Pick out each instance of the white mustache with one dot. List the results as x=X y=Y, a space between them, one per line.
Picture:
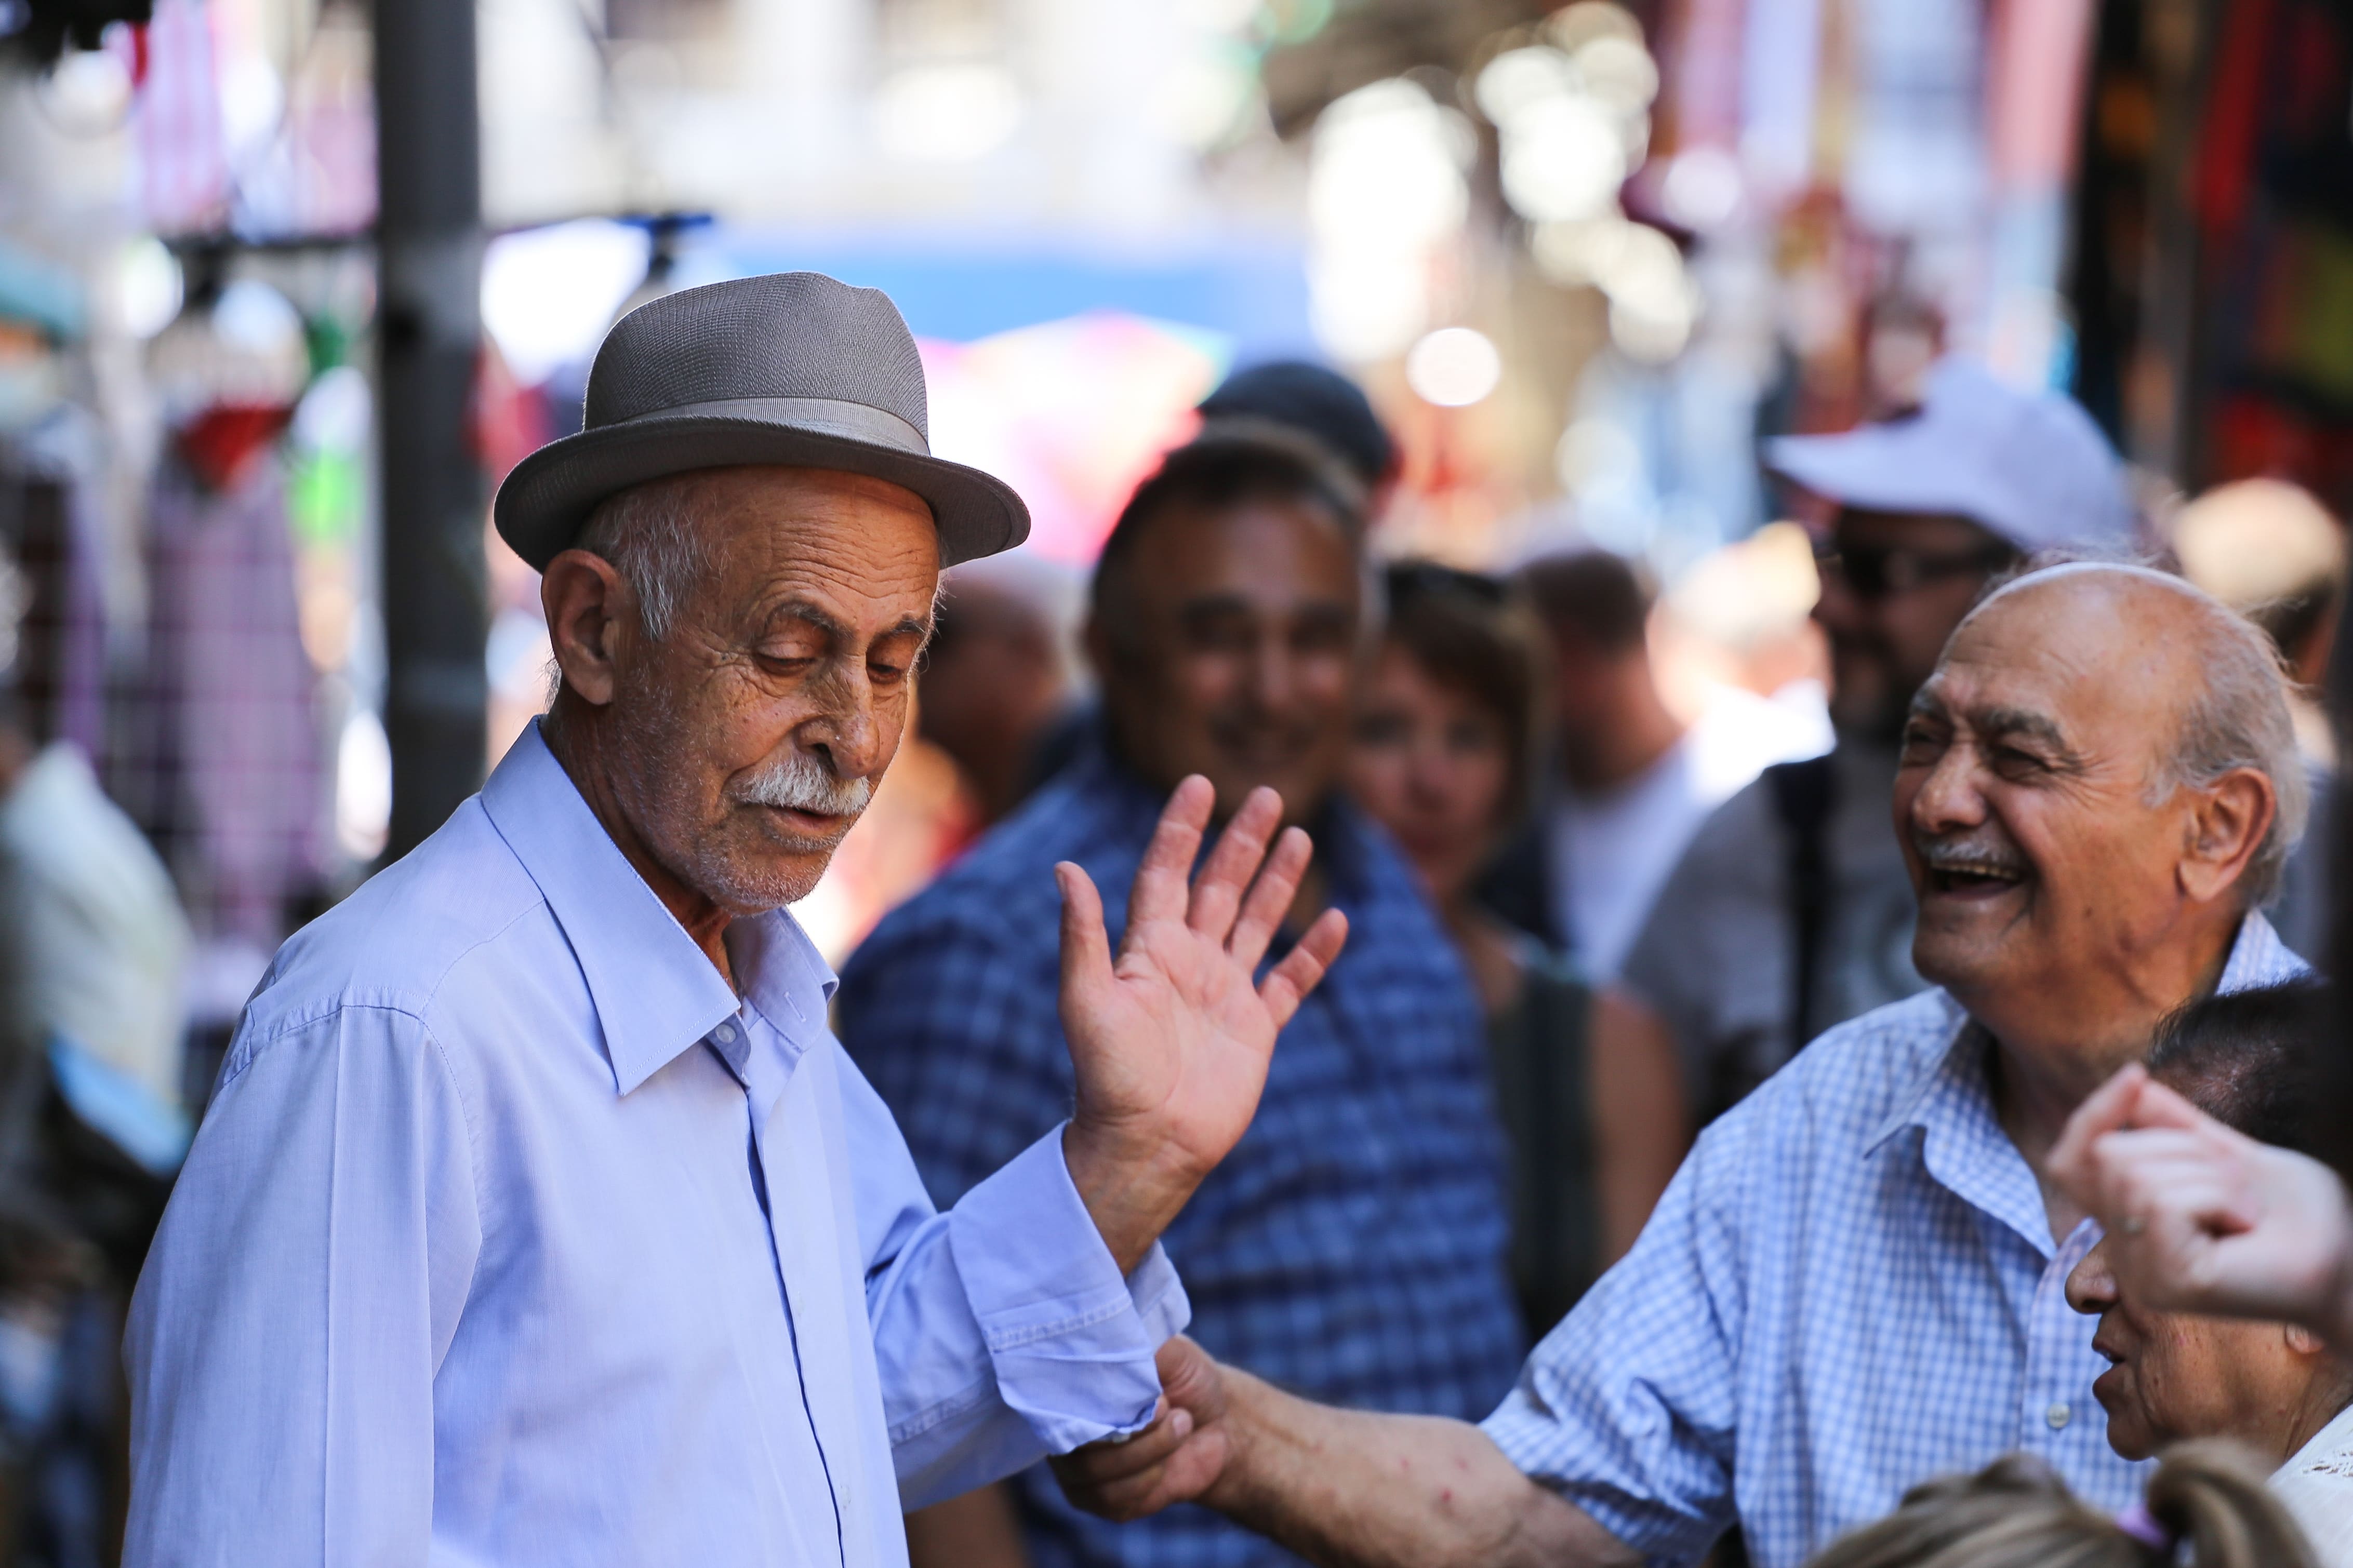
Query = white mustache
x=799 y=782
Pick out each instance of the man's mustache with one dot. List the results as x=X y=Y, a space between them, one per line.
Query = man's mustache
x=800 y=782
x=1971 y=858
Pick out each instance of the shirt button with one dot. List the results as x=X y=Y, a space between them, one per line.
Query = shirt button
x=2059 y=1415
x=726 y=1033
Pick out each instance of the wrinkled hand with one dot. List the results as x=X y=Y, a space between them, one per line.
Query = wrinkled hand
x=2201 y=1219
x=1170 y=1041
x=1174 y=1460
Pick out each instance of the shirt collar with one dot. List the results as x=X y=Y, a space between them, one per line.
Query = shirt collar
x=1951 y=1099
x=655 y=994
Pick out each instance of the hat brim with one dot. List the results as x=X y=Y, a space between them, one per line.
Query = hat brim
x=1877 y=467
x=543 y=503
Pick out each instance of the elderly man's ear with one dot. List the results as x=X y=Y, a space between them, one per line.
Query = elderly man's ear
x=2227 y=824
x=589 y=605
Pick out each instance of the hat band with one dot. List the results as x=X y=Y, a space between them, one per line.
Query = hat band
x=823 y=415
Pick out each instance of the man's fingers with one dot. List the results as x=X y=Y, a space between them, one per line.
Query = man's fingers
x=1160 y=893
x=2109 y=1107
x=2158 y=1106
x=1086 y=947
x=1147 y=1448
x=1303 y=966
x=1120 y=1480
x=1270 y=898
x=1218 y=892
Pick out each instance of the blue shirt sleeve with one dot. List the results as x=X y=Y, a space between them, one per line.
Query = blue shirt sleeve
x=1003 y=1330
x=282 y=1407
x=1628 y=1407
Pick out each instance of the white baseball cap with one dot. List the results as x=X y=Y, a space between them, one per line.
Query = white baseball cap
x=2027 y=465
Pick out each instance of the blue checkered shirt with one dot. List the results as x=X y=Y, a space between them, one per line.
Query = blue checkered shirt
x=1851 y=1287
x=1351 y=1247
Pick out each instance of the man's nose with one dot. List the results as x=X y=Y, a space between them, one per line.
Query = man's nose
x=1273 y=673
x=1950 y=798
x=849 y=733
x=2091 y=1286
x=1837 y=605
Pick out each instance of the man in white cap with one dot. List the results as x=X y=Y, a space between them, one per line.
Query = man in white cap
x=1789 y=911
x=538 y=1217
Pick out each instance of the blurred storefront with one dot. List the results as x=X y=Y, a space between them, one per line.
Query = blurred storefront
x=1583 y=256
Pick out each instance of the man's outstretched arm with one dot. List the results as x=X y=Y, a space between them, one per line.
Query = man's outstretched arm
x=1343 y=1488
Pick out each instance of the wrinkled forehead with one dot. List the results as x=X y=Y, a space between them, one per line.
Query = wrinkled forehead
x=864 y=548
x=2094 y=656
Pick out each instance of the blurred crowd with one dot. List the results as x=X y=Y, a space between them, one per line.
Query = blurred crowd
x=1581 y=920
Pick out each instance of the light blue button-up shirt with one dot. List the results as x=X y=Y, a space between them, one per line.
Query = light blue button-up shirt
x=1851 y=1287
x=513 y=1235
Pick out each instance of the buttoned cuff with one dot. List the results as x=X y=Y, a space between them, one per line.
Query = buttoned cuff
x=1070 y=1342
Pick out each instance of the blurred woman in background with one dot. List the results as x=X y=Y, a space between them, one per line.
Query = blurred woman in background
x=1444 y=753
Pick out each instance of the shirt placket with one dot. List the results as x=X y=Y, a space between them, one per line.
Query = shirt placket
x=2055 y=1398
x=761 y=1076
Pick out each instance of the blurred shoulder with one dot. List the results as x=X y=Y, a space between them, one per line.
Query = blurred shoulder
x=1742 y=833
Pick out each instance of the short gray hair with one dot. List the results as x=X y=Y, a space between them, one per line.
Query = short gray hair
x=650 y=533
x=2238 y=718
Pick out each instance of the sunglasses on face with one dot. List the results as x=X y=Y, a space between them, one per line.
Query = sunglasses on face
x=1879 y=571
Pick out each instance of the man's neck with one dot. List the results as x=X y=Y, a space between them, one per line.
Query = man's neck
x=581 y=745
x=2044 y=1066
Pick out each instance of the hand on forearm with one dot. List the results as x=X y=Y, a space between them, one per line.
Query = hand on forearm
x=1345 y=1489
x=1352 y=1489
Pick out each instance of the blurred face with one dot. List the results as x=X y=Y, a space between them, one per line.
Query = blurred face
x=1896 y=585
x=1239 y=654
x=2173 y=1375
x=2022 y=798
x=989 y=691
x=750 y=735
x=1433 y=766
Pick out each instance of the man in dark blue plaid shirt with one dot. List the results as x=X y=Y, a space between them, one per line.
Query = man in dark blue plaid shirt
x=1351 y=1246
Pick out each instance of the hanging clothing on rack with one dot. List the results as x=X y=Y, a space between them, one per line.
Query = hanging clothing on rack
x=226 y=770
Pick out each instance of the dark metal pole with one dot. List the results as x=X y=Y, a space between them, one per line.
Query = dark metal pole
x=429 y=229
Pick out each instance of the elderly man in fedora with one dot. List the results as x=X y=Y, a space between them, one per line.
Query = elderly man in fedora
x=539 y=1219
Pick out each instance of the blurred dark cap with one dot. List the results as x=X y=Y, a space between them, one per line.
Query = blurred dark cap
x=1308 y=398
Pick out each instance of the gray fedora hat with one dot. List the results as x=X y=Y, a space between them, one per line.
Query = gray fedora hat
x=792 y=368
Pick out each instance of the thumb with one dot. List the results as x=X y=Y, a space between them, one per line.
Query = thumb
x=1086 y=947
x=2104 y=1110
x=1192 y=1380
x=2159 y=1106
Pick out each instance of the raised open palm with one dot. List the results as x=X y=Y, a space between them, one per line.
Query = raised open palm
x=1170 y=1039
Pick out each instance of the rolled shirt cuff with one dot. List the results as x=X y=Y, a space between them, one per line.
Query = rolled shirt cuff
x=1070 y=1342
